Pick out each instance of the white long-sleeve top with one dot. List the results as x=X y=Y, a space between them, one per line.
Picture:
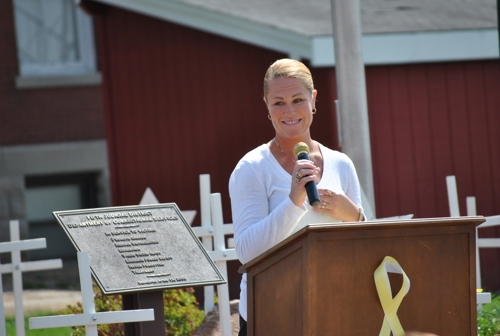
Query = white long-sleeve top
x=264 y=214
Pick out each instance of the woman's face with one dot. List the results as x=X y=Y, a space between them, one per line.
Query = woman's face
x=290 y=105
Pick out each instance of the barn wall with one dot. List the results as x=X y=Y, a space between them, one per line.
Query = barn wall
x=180 y=103
x=428 y=121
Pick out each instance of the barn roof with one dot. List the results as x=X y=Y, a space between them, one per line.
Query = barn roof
x=313 y=17
x=394 y=31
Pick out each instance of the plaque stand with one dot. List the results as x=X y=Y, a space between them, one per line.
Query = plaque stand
x=138 y=252
x=152 y=299
x=145 y=300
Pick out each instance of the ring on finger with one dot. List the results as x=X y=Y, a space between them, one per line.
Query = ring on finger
x=323 y=205
x=298 y=175
x=329 y=192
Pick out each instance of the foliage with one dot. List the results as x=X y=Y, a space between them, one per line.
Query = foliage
x=488 y=322
x=182 y=315
x=488 y=319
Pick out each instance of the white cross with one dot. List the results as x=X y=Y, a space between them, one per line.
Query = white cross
x=206 y=237
x=16 y=268
x=451 y=185
x=212 y=226
x=90 y=319
x=150 y=198
x=221 y=255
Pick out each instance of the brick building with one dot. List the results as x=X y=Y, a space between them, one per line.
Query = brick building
x=52 y=133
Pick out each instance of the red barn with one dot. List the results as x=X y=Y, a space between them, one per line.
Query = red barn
x=182 y=96
x=183 y=81
x=182 y=91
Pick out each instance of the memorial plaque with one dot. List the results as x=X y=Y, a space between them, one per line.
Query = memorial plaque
x=140 y=248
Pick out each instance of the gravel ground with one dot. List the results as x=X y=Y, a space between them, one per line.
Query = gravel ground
x=41 y=300
x=53 y=300
x=211 y=325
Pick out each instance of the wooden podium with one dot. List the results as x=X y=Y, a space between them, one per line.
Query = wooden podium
x=320 y=281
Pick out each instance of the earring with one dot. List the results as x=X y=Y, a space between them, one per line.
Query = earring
x=269 y=116
x=314 y=111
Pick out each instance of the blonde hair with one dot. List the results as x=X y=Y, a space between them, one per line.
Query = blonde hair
x=288 y=68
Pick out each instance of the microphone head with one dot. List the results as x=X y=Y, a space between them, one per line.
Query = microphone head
x=300 y=147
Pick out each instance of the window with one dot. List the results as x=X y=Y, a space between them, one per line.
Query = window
x=54 y=38
x=45 y=194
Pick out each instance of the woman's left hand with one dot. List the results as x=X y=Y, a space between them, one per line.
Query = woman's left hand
x=338 y=206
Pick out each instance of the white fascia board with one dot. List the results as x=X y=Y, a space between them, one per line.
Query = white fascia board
x=288 y=42
x=418 y=47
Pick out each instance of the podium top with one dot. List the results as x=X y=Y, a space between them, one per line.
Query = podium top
x=371 y=225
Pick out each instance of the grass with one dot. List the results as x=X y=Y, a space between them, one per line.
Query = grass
x=10 y=323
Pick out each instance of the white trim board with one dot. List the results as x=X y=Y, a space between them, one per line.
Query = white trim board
x=418 y=47
x=58 y=81
x=54 y=158
x=378 y=49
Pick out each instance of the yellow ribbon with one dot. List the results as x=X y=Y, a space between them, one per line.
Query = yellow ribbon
x=390 y=305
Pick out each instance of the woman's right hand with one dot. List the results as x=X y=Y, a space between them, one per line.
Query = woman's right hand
x=304 y=171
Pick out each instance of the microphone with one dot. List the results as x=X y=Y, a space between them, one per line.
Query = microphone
x=301 y=151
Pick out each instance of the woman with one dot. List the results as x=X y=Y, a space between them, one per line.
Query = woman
x=267 y=187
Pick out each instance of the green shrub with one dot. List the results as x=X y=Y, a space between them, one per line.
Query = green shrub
x=182 y=315
x=488 y=322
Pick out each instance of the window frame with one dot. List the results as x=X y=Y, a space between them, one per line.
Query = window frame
x=86 y=44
